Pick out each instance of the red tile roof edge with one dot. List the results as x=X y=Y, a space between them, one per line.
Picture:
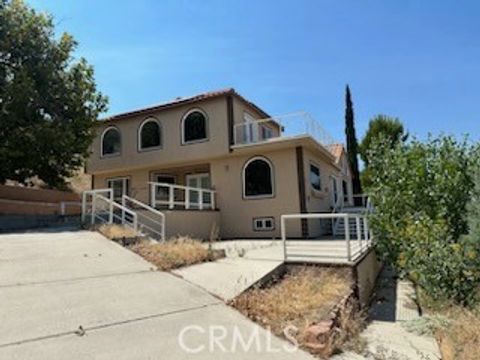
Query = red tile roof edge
x=187 y=100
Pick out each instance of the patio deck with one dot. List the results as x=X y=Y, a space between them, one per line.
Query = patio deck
x=327 y=250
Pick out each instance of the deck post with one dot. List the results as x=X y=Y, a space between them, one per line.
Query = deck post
x=347 y=236
x=84 y=206
x=200 y=199
x=94 y=204
x=365 y=229
x=359 y=231
x=171 y=204
x=187 y=199
x=152 y=195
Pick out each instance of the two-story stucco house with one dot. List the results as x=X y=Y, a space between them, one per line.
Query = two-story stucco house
x=218 y=160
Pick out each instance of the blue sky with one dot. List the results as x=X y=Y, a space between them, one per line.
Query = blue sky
x=418 y=60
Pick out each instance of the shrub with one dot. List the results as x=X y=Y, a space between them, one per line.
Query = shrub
x=420 y=192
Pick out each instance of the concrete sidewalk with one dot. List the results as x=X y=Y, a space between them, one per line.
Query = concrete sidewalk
x=76 y=295
x=245 y=264
x=385 y=334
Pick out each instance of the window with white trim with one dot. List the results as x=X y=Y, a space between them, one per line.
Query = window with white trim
x=150 y=134
x=120 y=186
x=315 y=180
x=257 y=178
x=264 y=224
x=111 y=141
x=194 y=127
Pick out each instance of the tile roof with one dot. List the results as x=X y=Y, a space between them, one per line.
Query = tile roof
x=336 y=150
x=186 y=100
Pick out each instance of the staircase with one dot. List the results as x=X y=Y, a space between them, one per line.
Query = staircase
x=99 y=207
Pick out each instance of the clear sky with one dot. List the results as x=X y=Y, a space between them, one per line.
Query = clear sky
x=418 y=60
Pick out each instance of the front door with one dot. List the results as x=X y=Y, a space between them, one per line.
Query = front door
x=120 y=187
x=199 y=181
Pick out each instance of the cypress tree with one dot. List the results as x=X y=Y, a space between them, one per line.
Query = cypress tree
x=352 y=145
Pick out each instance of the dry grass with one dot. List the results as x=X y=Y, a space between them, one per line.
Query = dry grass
x=175 y=253
x=305 y=296
x=458 y=331
x=461 y=339
x=113 y=231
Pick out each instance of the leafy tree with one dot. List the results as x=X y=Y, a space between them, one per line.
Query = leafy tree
x=48 y=100
x=474 y=205
x=381 y=127
x=352 y=145
x=420 y=192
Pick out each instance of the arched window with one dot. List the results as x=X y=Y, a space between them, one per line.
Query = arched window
x=194 y=126
x=111 y=141
x=258 y=178
x=149 y=134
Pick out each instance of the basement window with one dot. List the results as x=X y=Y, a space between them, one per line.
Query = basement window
x=264 y=224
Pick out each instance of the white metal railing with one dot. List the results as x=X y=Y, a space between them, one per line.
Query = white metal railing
x=105 y=210
x=300 y=123
x=186 y=197
x=355 y=244
x=363 y=199
x=150 y=221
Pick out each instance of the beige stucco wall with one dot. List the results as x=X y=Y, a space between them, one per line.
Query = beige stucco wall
x=138 y=182
x=367 y=272
x=172 y=151
x=319 y=201
x=237 y=213
x=194 y=223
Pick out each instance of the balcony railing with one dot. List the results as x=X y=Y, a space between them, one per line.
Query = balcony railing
x=179 y=196
x=296 y=124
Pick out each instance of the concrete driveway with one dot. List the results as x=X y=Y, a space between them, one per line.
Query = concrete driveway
x=76 y=295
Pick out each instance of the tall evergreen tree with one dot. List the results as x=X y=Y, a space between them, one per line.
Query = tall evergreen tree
x=352 y=144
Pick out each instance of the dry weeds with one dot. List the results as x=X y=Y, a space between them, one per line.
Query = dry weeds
x=175 y=253
x=303 y=297
x=458 y=331
x=113 y=231
x=461 y=339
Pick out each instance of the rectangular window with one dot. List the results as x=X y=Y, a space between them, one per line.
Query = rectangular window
x=264 y=224
x=315 y=180
x=120 y=186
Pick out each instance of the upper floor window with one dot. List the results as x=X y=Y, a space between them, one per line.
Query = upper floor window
x=258 y=178
x=111 y=141
x=194 y=127
x=150 y=134
x=315 y=180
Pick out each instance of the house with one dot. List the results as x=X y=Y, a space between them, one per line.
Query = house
x=217 y=160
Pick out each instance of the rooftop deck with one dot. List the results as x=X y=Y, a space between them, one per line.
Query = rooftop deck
x=285 y=126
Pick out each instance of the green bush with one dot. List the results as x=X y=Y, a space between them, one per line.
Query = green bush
x=420 y=191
